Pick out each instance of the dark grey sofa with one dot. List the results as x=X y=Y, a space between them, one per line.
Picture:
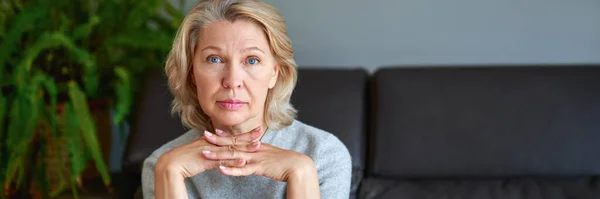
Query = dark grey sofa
x=516 y=132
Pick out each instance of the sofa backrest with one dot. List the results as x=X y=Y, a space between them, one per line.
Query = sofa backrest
x=335 y=100
x=485 y=121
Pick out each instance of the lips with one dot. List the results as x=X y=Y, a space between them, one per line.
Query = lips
x=231 y=104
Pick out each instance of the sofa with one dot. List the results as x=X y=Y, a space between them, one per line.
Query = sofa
x=472 y=132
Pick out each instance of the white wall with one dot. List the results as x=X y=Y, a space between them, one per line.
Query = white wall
x=374 y=33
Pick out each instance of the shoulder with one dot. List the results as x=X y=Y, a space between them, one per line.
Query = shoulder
x=305 y=131
x=187 y=137
x=319 y=143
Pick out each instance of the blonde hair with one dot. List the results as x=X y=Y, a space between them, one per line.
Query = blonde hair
x=278 y=111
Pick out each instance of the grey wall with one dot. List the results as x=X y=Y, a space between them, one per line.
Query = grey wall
x=374 y=33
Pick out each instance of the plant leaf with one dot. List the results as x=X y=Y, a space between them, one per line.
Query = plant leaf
x=148 y=40
x=14 y=125
x=12 y=169
x=40 y=166
x=5 y=12
x=52 y=40
x=141 y=12
x=3 y=161
x=124 y=94
x=17 y=119
x=88 y=129
x=176 y=15
x=35 y=97
x=35 y=104
x=24 y=120
x=21 y=117
x=24 y=21
x=74 y=146
x=85 y=29
x=52 y=90
x=74 y=142
x=65 y=23
x=3 y=103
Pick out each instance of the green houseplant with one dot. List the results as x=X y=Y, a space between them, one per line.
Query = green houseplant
x=56 y=57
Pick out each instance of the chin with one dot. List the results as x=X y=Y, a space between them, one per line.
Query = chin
x=230 y=119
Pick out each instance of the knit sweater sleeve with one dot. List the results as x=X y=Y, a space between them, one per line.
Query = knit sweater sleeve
x=150 y=162
x=148 y=177
x=334 y=166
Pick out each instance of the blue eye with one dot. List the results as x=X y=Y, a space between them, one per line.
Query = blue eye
x=214 y=59
x=252 y=61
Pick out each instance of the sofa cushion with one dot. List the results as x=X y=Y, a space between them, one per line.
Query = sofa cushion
x=514 y=188
x=486 y=121
x=152 y=124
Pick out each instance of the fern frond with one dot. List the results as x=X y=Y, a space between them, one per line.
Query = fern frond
x=52 y=40
x=88 y=129
x=124 y=96
x=23 y=22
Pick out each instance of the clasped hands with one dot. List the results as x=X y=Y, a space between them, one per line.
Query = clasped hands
x=240 y=155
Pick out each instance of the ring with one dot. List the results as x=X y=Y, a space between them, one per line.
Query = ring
x=234 y=140
x=231 y=150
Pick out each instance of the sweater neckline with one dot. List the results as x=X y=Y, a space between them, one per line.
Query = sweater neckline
x=270 y=134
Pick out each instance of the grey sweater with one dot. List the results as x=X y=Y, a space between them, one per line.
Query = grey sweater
x=330 y=155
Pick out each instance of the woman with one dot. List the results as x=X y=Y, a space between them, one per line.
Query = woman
x=231 y=71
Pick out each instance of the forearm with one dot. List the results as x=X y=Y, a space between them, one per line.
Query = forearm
x=169 y=185
x=304 y=184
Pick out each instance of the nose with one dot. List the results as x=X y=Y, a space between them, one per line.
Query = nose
x=233 y=77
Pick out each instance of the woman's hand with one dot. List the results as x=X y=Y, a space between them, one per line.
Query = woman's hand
x=269 y=161
x=188 y=160
x=298 y=170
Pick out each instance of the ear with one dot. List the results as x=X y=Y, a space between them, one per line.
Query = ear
x=273 y=79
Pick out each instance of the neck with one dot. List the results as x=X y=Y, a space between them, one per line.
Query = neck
x=244 y=127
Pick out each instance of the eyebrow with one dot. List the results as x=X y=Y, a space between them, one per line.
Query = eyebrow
x=253 y=48
x=243 y=50
x=211 y=48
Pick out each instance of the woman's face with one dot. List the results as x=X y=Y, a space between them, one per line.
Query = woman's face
x=233 y=69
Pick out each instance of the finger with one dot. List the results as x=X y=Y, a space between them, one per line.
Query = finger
x=230 y=163
x=252 y=135
x=252 y=147
x=224 y=153
x=221 y=133
x=247 y=170
x=242 y=139
x=220 y=140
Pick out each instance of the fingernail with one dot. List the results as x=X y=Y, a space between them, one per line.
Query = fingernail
x=241 y=161
x=222 y=167
x=219 y=131
x=206 y=151
x=208 y=134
